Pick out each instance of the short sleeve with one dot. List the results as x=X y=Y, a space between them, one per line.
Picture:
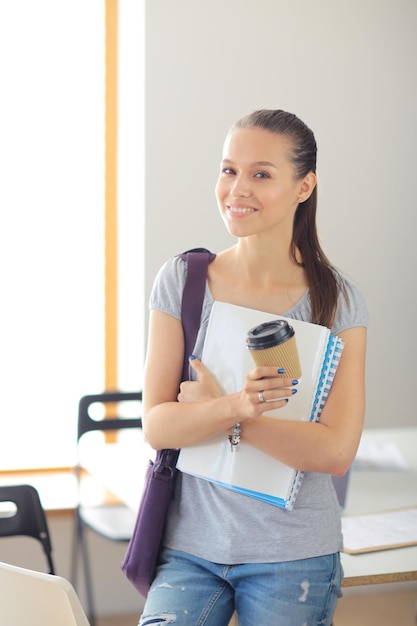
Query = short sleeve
x=166 y=294
x=351 y=310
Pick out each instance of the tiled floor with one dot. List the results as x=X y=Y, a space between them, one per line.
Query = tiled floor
x=382 y=609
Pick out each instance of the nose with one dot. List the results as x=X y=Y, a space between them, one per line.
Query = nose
x=240 y=187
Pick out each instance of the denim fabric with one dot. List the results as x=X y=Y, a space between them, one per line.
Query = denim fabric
x=189 y=591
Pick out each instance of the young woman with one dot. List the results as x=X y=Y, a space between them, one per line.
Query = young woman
x=224 y=551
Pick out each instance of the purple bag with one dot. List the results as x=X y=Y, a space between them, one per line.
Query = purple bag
x=139 y=563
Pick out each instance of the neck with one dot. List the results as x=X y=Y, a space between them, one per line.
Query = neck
x=270 y=264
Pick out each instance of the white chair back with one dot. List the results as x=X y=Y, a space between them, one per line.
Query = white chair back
x=38 y=599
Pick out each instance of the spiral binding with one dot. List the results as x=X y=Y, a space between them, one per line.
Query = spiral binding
x=331 y=360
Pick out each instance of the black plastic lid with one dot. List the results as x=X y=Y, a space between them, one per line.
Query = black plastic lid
x=269 y=334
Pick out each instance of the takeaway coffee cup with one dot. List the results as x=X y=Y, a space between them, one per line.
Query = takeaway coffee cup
x=273 y=343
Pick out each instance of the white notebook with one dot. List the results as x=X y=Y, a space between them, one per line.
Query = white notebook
x=243 y=468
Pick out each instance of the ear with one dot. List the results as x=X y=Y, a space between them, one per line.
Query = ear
x=306 y=188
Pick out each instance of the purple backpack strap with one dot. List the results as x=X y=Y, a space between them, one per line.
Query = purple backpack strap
x=197 y=260
x=144 y=547
x=192 y=303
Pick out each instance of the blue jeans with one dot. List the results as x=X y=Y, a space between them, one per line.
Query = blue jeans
x=189 y=591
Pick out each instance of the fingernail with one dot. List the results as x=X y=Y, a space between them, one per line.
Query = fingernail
x=281 y=370
x=293 y=391
x=294 y=382
x=191 y=357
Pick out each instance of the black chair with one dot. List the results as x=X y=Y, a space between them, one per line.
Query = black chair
x=26 y=517
x=112 y=521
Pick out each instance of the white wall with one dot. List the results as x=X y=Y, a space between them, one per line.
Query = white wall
x=348 y=70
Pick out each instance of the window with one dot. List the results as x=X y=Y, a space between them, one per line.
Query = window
x=52 y=219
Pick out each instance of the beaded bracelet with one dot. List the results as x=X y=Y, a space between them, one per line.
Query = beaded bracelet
x=234 y=438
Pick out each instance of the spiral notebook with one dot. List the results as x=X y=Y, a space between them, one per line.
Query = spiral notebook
x=245 y=469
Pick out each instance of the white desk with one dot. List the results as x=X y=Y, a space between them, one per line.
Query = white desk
x=121 y=467
x=379 y=490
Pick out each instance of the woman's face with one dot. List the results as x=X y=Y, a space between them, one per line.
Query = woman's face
x=257 y=190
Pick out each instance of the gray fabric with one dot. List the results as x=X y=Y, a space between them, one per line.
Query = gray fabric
x=225 y=527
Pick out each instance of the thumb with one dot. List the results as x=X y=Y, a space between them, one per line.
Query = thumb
x=196 y=365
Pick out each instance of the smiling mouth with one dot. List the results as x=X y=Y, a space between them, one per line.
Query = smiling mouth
x=245 y=209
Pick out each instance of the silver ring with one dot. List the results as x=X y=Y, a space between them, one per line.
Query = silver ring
x=261 y=396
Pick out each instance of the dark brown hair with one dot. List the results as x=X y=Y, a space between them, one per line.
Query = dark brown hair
x=323 y=279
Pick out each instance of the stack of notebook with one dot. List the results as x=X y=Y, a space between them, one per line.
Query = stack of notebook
x=245 y=469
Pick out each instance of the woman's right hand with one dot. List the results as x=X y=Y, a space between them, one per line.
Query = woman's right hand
x=263 y=390
x=204 y=388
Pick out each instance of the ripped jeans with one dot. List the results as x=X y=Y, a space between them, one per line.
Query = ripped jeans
x=189 y=591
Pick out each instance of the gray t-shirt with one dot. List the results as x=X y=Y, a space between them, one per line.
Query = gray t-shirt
x=222 y=526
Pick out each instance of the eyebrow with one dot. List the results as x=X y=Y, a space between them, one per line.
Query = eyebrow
x=256 y=164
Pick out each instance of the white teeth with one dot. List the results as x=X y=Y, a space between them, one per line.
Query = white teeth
x=241 y=209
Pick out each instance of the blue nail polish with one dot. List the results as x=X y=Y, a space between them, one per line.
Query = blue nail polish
x=293 y=391
x=294 y=382
x=281 y=370
x=191 y=357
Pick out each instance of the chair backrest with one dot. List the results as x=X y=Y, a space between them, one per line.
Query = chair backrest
x=87 y=424
x=107 y=412
x=27 y=517
x=38 y=599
